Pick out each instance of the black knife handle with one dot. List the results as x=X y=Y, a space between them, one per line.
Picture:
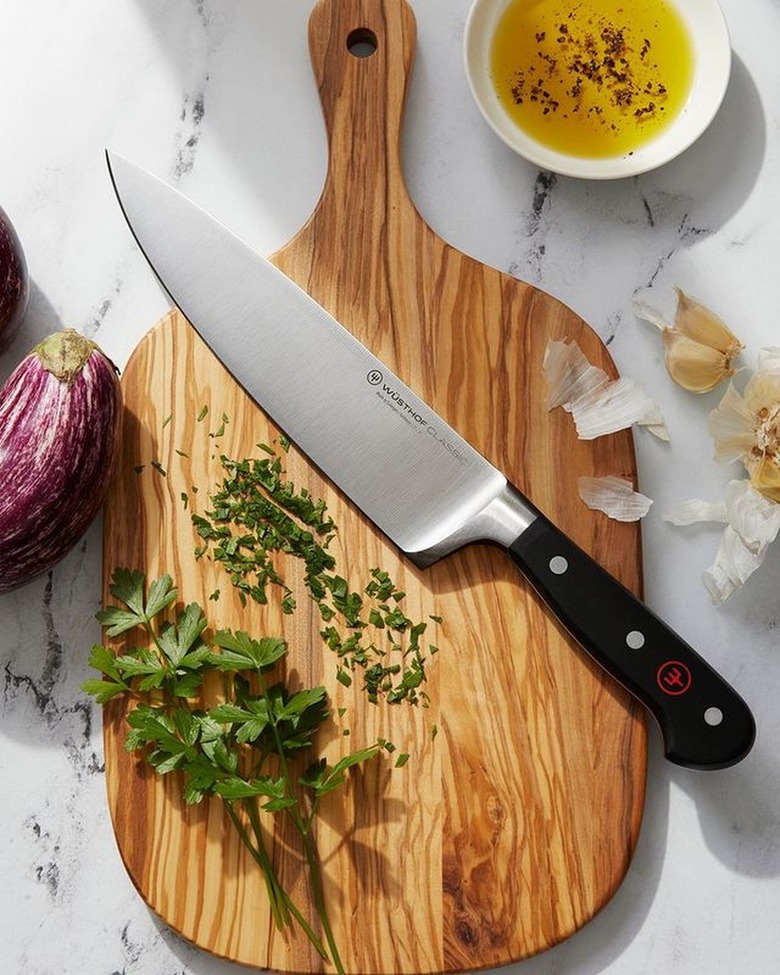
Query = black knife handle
x=704 y=722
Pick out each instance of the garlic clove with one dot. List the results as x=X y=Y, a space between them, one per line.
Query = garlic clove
x=699 y=349
x=765 y=477
x=701 y=325
x=692 y=365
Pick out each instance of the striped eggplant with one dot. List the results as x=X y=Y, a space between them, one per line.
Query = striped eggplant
x=60 y=422
x=14 y=281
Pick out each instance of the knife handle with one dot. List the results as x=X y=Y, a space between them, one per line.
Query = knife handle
x=704 y=723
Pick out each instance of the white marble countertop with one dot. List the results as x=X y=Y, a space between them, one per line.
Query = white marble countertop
x=218 y=96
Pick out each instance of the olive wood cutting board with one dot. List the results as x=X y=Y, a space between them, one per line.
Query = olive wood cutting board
x=516 y=815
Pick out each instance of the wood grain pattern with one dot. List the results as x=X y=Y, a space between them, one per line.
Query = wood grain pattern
x=513 y=826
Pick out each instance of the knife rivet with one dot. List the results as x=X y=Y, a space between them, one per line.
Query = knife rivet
x=558 y=565
x=713 y=717
x=635 y=640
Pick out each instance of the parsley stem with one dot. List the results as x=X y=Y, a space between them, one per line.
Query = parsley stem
x=284 y=768
x=147 y=623
x=304 y=829
x=282 y=905
x=260 y=855
x=268 y=869
x=318 y=892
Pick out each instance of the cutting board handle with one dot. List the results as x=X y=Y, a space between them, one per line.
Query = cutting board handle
x=362 y=53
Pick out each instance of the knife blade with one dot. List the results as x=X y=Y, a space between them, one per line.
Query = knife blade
x=356 y=420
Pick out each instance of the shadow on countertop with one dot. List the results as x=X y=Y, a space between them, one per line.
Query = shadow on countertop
x=697 y=193
x=739 y=808
x=40 y=319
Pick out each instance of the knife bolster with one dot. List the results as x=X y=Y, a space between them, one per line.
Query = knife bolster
x=503 y=519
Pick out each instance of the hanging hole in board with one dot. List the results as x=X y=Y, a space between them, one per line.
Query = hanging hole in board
x=362 y=42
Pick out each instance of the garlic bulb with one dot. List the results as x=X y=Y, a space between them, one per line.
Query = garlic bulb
x=699 y=349
x=746 y=427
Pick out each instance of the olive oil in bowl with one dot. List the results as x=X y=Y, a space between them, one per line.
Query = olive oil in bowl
x=592 y=78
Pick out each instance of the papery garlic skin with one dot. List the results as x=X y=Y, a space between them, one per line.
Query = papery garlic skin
x=752 y=523
x=569 y=374
x=752 y=516
x=614 y=496
x=610 y=408
x=732 y=428
x=746 y=427
x=653 y=422
x=599 y=405
x=734 y=564
x=769 y=359
x=694 y=511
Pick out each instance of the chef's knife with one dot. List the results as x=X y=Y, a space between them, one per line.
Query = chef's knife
x=358 y=421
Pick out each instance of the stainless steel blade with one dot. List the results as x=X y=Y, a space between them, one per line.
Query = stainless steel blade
x=417 y=479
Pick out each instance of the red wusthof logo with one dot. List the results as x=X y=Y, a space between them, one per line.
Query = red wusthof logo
x=674 y=678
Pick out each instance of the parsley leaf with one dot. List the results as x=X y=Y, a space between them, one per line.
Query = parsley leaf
x=241 y=652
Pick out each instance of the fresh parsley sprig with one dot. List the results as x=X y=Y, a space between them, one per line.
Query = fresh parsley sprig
x=173 y=659
x=251 y=750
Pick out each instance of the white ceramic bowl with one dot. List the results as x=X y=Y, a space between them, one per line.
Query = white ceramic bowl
x=712 y=65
